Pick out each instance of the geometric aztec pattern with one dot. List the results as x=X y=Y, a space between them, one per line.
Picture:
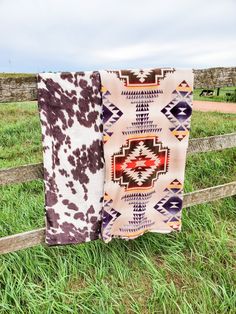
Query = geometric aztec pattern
x=109 y=215
x=179 y=110
x=139 y=163
x=111 y=114
x=143 y=151
x=170 y=206
x=139 y=223
x=142 y=123
x=142 y=77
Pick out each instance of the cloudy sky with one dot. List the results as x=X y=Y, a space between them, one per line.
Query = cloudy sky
x=71 y=35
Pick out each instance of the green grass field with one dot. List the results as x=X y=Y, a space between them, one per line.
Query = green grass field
x=189 y=272
x=221 y=98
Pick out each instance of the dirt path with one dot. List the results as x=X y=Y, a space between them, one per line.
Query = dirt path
x=214 y=106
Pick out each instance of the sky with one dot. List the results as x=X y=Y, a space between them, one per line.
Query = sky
x=74 y=35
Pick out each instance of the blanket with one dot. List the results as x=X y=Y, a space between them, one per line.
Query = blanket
x=146 y=118
x=114 y=152
x=70 y=113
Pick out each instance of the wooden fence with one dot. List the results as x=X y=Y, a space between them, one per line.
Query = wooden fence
x=24 y=89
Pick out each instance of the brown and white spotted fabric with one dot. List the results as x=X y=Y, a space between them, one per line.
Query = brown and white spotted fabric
x=70 y=110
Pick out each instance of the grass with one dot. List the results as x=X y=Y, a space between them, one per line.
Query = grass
x=222 y=95
x=2 y=74
x=189 y=272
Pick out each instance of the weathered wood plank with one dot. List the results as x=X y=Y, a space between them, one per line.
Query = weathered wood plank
x=35 y=171
x=14 y=89
x=22 y=240
x=35 y=237
x=212 y=143
x=209 y=194
x=21 y=174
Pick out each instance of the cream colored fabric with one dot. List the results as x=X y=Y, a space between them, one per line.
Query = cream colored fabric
x=146 y=121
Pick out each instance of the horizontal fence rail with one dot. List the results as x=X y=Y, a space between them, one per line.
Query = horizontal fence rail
x=35 y=237
x=21 y=174
x=211 y=143
x=199 y=145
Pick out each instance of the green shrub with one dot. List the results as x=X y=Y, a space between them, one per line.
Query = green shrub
x=232 y=97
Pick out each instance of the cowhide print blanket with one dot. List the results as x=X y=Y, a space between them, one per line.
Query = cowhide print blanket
x=70 y=111
x=114 y=149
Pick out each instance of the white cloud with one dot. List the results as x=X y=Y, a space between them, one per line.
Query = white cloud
x=43 y=35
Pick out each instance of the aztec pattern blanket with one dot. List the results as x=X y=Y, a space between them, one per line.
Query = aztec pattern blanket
x=146 y=117
x=127 y=127
x=70 y=113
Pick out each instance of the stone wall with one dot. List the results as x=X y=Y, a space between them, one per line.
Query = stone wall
x=24 y=88
x=18 y=88
x=215 y=77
